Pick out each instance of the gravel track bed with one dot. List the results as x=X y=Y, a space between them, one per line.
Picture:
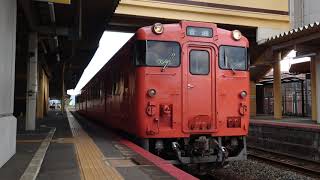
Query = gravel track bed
x=256 y=170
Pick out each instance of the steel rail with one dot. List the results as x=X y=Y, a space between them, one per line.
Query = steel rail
x=287 y=161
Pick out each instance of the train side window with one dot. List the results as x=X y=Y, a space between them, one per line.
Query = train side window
x=199 y=62
x=102 y=91
x=116 y=79
x=140 y=53
x=114 y=83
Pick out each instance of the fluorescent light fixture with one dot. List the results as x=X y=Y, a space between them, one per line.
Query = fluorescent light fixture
x=72 y=92
x=109 y=45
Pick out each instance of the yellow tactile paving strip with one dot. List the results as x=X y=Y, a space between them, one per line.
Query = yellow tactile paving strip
x=90 y=159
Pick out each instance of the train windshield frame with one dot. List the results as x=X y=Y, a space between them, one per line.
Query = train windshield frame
x=233 y=58
x=157 y=53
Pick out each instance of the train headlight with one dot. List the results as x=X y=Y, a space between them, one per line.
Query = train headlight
x=236 y=34
x=157 y=28
x=151 y=92
x=243 y=94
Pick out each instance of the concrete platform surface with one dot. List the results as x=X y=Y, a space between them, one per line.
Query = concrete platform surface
x=81 y=149
x=295 y=122
x=15 y=167
x=295 y=119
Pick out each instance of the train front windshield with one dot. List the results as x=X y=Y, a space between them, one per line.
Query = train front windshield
x=157 y=53
x=233 y=58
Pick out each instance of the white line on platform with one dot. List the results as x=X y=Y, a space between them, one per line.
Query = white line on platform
x=34 y=166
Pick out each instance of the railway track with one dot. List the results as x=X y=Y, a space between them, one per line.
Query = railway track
x=303 y=166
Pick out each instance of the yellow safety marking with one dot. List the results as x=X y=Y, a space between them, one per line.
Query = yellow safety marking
x=90 y=158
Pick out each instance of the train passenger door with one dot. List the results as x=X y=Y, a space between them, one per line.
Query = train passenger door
x=199 y=90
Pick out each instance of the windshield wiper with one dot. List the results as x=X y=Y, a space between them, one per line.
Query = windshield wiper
x=232 y=68
x=167 y=61
x=165 y=66
x=228 y=63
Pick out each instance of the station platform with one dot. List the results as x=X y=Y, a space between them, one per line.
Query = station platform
x=286 y=121
x=293 y=136
x=67 y=146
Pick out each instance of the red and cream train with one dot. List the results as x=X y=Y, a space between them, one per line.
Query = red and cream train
x=181 y=89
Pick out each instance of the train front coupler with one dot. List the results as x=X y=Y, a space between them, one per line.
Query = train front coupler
x=201 y=150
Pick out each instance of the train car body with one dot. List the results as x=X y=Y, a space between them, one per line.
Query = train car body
x=182 y=89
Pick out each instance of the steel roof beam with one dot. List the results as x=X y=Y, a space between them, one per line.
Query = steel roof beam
x=54 y=31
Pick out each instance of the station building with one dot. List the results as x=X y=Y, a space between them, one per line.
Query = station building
x=47 y=44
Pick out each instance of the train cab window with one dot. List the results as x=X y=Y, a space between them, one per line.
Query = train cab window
x=157 y=53
x=233 y=58
x=199 y=62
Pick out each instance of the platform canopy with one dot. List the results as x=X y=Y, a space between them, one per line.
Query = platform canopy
x=68 y=31
x=299 y=68
x=305 y=40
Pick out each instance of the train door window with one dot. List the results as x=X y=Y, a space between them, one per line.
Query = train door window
x=102 y=91
x=90 y=93
x=199 y=62
x=109 y=84
x=116 y=83
x=119 y=88
x=96 y=91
